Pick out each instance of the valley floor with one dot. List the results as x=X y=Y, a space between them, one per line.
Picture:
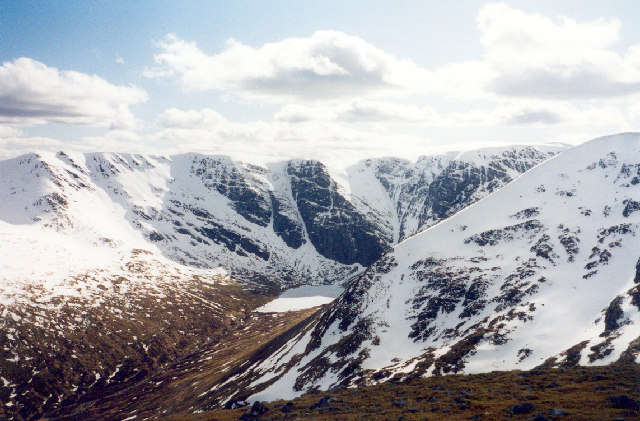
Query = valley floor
x=184 y=385
x=579 y=393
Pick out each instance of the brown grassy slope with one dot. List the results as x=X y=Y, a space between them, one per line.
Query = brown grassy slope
x=182 y=386
x=582 y=392
x=59 y=353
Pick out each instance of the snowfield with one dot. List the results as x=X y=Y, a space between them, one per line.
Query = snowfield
x=113 y=265
x=545 y=271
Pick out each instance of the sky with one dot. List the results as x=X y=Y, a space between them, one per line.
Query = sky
x=332 y=80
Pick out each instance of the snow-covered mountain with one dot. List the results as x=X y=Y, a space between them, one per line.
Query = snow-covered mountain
x=545 y=271
x=414 y=196
x=113 y=265
x=68 y=340
x=281 y=224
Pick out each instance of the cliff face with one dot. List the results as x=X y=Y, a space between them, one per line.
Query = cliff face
x=268 y=226
x=114 y=265
x=541 y=273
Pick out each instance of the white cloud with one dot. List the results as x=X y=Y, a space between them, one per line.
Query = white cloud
x=533 y=116
x=539 y=79
x=9 y=131
x=115 y=141
x=332 y=139
x=205 y=118
x=267 y=142
x=377 y=111
x=533 y=56
x=510 y=113
x=539 y=114
x=327 y=65
x=119 y=60
x=298 y=113
x=507 y=29
x=526 y=55
x=12 y=145
x=33 y=93
x=358 y=111
x=327 y=131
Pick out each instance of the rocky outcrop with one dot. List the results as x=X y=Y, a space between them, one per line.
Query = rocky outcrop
x=335 y=227
x=285 y=226
x=436 y=187
x=246 y=194
x=477 y=291
x=278 y=224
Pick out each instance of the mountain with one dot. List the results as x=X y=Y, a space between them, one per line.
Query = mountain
x=269 y=226
x=543 y=272
x=115 y=266
x=415 y=196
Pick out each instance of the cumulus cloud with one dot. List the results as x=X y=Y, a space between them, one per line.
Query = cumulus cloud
x=190 y=119
x=537 y=113
x=33 y=93
x=526 y=55
x=13 y=144
x=529 y=116
x=539 y=78
x=115 y=141
x=267 y=142
x=533 y=56
x=327 y=65
x=358 y=111
x=525 y=113
x=508 y=29
x=329 y=138
x=9 y=131
x=377 y=111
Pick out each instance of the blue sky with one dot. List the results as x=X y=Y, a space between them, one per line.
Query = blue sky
x=267 y=80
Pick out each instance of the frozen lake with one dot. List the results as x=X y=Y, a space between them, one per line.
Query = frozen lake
x=302 y=297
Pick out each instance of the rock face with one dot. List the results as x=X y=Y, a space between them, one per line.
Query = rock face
x=337 y=229
x=112 y=265
x=436 y=187
x=541 y=273
x=269 y=226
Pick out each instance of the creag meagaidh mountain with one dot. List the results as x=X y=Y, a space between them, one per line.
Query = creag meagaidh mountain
x=544 y=272
x=275 y=225
x=115 y=266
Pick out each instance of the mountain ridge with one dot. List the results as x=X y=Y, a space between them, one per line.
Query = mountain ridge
x=290 y=219
x=551 y=253
x=93 y=241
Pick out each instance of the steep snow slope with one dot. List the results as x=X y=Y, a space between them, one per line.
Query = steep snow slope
x=113 y=264
x=543 y=271
x=55 y=225
x=278 y=225
x=415 y=195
